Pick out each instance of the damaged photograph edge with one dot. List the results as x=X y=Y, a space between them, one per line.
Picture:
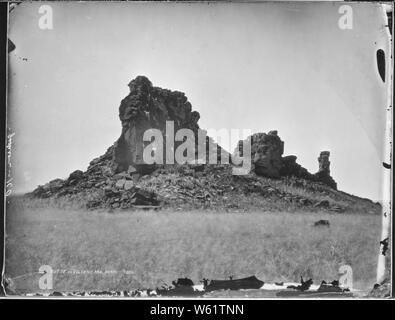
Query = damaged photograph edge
x=383 y=269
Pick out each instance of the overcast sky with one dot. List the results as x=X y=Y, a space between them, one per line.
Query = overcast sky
x=263 y=66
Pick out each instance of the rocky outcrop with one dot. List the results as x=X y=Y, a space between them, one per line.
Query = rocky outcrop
x=148 y=107
x=266 y=153
x=267 y=160
x=121 y=179
x=323 y=174
x=113 y=179
x=291 y=168
x=324 y=163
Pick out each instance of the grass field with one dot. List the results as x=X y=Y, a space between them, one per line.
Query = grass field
x=92 y=250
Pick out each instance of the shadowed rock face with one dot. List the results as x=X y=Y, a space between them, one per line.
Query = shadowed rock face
x=147 y=107
x=291 y=168
x=266 y=153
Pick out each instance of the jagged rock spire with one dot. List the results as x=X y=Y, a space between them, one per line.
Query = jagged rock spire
x=148 y=107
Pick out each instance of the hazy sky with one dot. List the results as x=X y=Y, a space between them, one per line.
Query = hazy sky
x=263 y=66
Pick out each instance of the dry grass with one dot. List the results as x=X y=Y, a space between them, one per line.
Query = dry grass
x=147 y=249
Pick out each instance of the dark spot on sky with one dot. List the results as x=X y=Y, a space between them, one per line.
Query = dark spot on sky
x=386 y=165
x=384 y=243
x=11 y=46
x=380 y=56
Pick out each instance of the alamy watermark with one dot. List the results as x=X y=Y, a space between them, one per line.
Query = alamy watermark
x=184 y=146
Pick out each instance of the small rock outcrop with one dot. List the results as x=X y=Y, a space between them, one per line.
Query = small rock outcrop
x=266 y=153
x=267 y=160
x=323 y=174
x=291 y=168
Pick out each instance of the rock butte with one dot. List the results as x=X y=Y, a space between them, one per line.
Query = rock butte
x=121 y=179
x=147 y=107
